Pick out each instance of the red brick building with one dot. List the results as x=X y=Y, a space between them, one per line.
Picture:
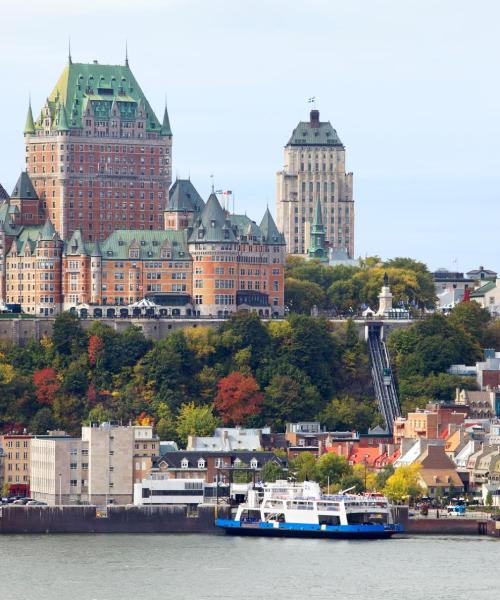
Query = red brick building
x=98 y=156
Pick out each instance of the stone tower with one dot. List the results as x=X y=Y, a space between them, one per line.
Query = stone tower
x=314 y=169
x=384 y=298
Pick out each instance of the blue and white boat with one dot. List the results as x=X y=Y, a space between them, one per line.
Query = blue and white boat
x=301 y=510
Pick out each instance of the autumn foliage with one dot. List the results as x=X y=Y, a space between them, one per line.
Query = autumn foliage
x=238 y=397
x=96 y=346
x=46 y=385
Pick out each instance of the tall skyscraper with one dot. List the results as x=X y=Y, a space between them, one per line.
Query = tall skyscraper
x=97 y=155
x=314 y=171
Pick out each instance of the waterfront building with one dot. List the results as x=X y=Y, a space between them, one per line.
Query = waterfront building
x=416 y=425
x=159 y=489
x=146 y=449
x=488 y=297
x=16 y=462
x=98 y=156
x=59 y=469
x=210 y=465
x=314 y=170
x=110 y=472
x=481 y=404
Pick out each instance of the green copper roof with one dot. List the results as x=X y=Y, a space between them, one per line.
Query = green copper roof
x=317 y=223
x=30 y=124
x=213 y=225
x=24 y=190
x=27 y=235
x=48 y=231
x=269 y=229
x=149 y=243
x=3 y=193
x=100 y=85
x=314 y=133
x=487 y=287
x=165 y=128
x=183 y=197
x=61 y=119
x=75 y=246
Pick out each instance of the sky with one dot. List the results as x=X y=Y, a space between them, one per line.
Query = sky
x=412 y=88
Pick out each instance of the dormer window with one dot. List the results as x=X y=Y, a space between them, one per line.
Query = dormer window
x=253 y=463
x=212 y=222
x=184 y=463
x=133 y=253
x=200 y=234
x=201 y=463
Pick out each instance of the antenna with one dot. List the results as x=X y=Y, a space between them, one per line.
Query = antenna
x=212 y=178
x=69 y=51
x=126 y=53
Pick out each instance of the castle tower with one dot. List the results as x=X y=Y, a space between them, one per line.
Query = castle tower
x=184 y=205
x=24 y=202
x=314 y=169
x=98 y=156
x=96 y=273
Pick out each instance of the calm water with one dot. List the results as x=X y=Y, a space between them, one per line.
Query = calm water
x=123 y=567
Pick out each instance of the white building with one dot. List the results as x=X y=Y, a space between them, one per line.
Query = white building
x=229 y=438
x=158 y=489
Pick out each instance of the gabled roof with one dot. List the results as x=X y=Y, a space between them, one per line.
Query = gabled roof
x=48 y=231
x=481 y=291
x=24 y=190
x=174 y=459
x=183 y=197
x=314 y=133
x=101 y=85
x=213 y=225
x=76 y=246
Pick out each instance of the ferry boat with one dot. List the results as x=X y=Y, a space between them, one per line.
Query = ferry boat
x=301 y=510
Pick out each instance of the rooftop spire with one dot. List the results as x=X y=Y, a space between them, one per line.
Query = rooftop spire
x=126 y=53
x=30 y=124
x=165 y=128
x=70 y=61
x=318 y=216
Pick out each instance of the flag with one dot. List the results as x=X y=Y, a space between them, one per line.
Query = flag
x=313 y=99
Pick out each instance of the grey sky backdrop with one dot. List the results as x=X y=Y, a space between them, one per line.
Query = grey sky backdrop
x=412 y=87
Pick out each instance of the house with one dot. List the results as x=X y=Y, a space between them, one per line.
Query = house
x=482 y=405
x=212 y=465
x=438 y=474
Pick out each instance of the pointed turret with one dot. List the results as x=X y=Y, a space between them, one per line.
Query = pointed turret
x=96 y=250
x=48 y=231
x=165 y=128
x=317 y=223
x=61 y=118
x=3 y=193
x=269 y=230
x=30 y=124
x=24 y=189
x=212 y=224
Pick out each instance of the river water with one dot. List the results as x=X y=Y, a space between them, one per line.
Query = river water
x=199 y=567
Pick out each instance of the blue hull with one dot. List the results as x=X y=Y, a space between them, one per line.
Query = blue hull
x=309 y=531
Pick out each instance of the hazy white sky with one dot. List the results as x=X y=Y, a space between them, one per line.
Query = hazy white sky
x=412 y=87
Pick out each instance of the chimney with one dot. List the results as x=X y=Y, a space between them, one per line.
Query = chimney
x=314 y=118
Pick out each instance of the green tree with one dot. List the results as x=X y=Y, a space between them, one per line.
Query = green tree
x=289 y=399
x=195 y=420
x=347 y=413
x=354 y=483
x=99 y=414
x=304 y=467
x=489 y=499
x=271 y=472
x=42 y=421
x=332 y=468
x=68 y=336
x=301 y=296
x=472 y=318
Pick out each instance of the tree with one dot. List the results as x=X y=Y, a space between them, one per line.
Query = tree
x=489 y=499
x=165 y=427
x=271 y=472
x=95 y=348
x=46 y=385
x=301 y=296
x=42 y=421
x=348 y=413
x=289 y=399
x=68 y=336
x=403 y=485
x=331 y=468
x=239 y=397
x=472 y=318
x=382 y=477
x=354 y=483
x=195 y=420
x=98 y=414
x=304 y=467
